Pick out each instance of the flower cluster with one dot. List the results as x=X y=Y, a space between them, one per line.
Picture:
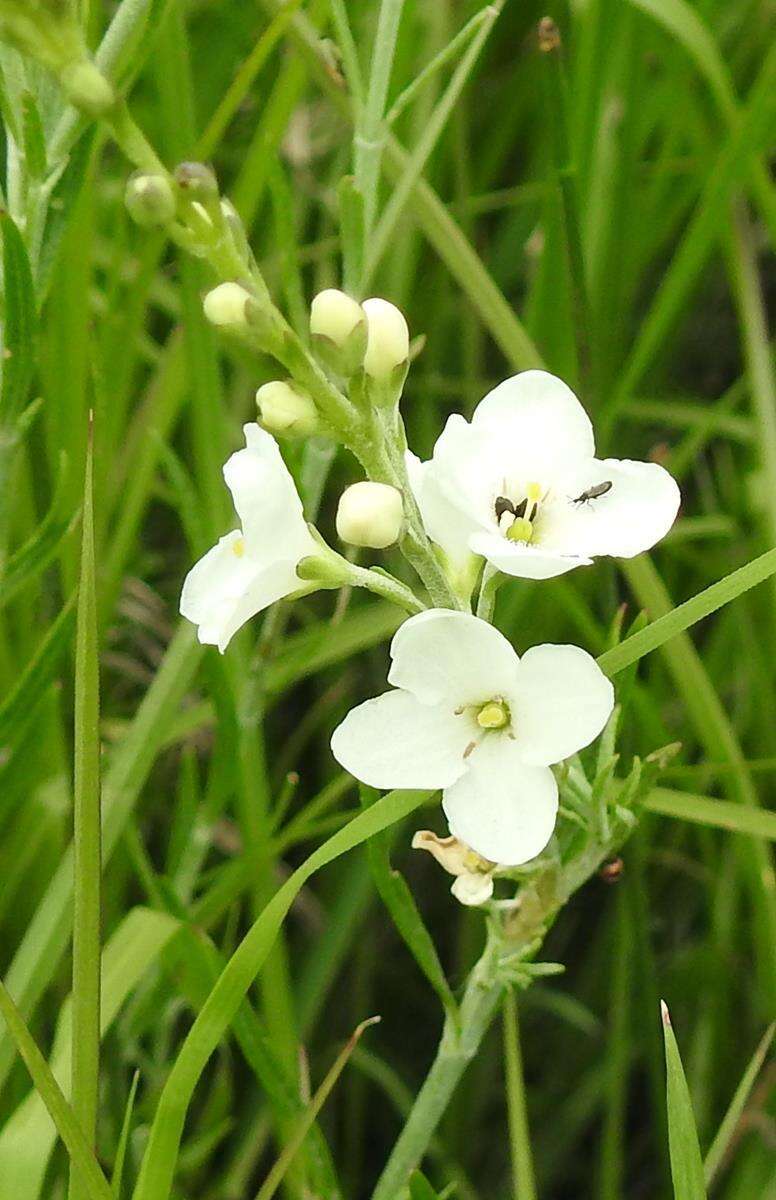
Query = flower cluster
x=516 y=491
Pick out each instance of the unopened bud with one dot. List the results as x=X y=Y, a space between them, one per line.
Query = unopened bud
x=286 y=411
x=370 y=514
x=196 y=181
x=388 y=339
x=149 y=199
x=227 y=305
x=472 y=890
x=338 y=329
x=87 y=88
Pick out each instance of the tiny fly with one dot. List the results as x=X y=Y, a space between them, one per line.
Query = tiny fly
x=593 y=493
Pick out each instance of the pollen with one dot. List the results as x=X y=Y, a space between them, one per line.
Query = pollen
x=238 y=547
x=533 y=492
x=493 y=715
x=521 y=530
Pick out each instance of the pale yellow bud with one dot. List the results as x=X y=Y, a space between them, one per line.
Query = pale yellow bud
x=370 y=514
x=334 y=315
x=286 y=411
x=388 y=338
x=226 y=305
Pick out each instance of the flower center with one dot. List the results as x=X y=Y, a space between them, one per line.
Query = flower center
x=493 y=715
x=516 y=521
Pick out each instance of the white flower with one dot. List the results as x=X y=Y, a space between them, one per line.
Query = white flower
x=255 y=565
x=370 y=514
x=468 y=716
x=521 y=486
x=387 y=338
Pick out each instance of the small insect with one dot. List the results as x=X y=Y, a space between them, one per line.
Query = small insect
x=593 y=493
x=611 y=871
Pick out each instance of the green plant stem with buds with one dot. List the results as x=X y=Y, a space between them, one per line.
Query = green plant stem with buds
x=514 y=937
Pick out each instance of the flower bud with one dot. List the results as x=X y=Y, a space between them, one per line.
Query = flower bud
x=334 y=315
x=388 y=339
x=149 y=199
x=196 y=181
x=338 y=329
x=227 y=305
x=286 y=411
x=87 y=88
x=370 y=514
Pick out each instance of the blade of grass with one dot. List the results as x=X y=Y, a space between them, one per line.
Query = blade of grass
x=275 y=1177
x=87 y=851
x=158 y=1166
x=686 y=1164
x=94 y=1182
x=123 y=1143
x=369 y=139
x=719 y=1147
x=716 y=814
x=523 y=1177
x=675 y=622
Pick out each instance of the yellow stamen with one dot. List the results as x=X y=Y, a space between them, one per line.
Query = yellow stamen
x=521 y=530
x=493 y=715
x=533 y=492
x=238 y=547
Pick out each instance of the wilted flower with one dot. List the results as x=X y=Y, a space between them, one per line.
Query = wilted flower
x=521 y=486
x=255 y=565
x=473 y=883
x=468 y=716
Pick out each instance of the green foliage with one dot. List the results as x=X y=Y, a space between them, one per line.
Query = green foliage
x=686 y=1163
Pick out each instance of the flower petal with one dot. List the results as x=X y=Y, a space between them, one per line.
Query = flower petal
x=636 y=512
x=524 y=560
x=456 y=489
x=562 y=701
x=503 y=808
x=395 y=741
x=227 y=587
x=442 y=655
x=267 y=501
x=540 y=417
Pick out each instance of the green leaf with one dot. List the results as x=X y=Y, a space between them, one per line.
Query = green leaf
x=420 y=1188
x=730 y=1121
x=400 y=902
x=87 y=838
x=26 y=563
x=686 y=1164
x=20 y=705
x=20 y=323
x=85 y=1164
x=158 y=1167
x=126 y=1129
x=658 y=632
x=34 y=139
x=29 y=1135
x=717 y=814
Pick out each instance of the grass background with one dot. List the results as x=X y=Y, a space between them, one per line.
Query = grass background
x=666 y=110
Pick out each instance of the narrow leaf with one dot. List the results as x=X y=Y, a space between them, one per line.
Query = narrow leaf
x=684 y=615
x=275 y=1177
x=686 y=1164
x=730 y=1121
x=121 y=1149
x=87 y=838
x=718 y=814
x=19 y=323
x=94 y=1182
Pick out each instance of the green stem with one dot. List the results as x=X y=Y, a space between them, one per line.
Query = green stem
x=519 y=1133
